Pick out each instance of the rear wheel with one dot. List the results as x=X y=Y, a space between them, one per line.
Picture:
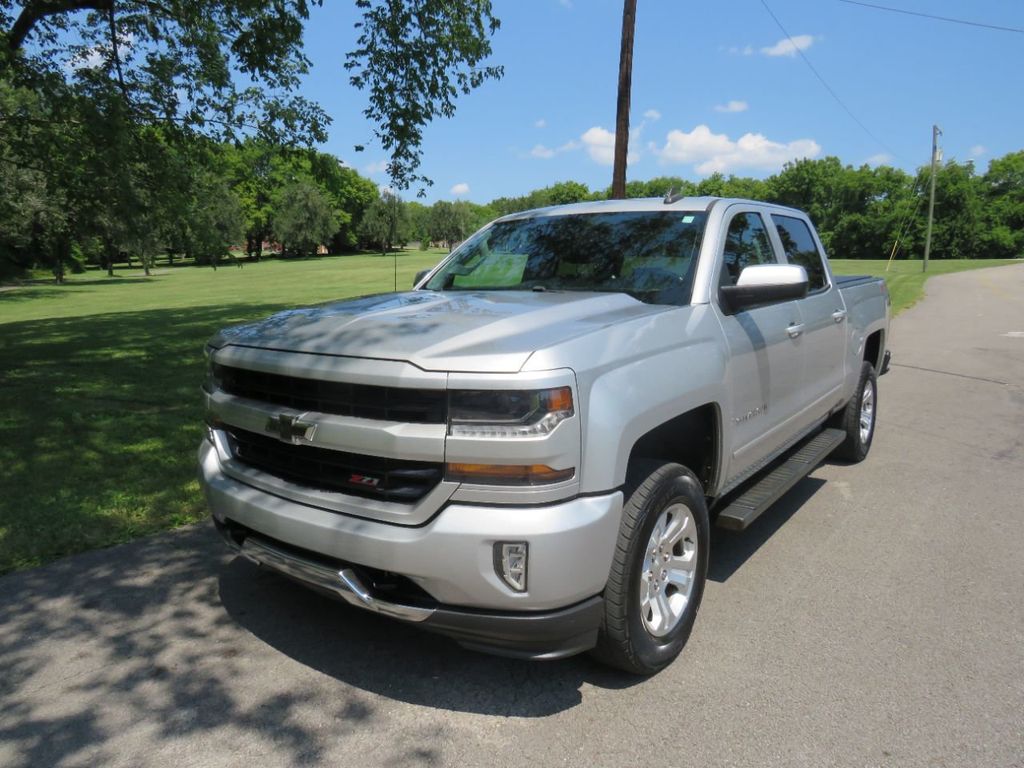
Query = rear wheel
x=659 y=569
x=857 y=419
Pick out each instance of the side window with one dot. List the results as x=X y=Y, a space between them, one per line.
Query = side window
x=746 y=243
x=801 y=249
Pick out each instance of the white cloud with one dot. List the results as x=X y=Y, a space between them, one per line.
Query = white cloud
x=732 y=106
x=709 y=152
x=541 y=123
x=378 y=167
x=652 y=115
x=600 y=145
x=462 y=188
x=746 y=50
x=565 y=3
x=544 y=152
x=789 y=46
x=977 y=151
x=882 y=158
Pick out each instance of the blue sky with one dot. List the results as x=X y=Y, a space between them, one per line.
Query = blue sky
x=716 y=86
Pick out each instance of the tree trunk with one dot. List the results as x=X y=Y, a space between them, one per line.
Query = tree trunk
x=108 y=256
x=622 y=108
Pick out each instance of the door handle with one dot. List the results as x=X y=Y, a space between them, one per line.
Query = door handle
x=795 y=330
x=839 y=315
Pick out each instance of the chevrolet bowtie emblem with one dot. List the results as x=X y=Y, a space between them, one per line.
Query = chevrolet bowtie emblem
x=291 y=429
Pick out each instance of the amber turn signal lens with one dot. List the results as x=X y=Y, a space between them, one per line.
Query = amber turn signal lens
x=507 y=474
x=560 y=400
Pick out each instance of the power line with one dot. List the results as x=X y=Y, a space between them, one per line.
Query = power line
x=822 y=80
x=937 y=18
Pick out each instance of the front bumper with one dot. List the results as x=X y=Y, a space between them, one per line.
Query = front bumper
x=450 y=558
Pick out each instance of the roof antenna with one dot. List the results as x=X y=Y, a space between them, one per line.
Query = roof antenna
x=670 y=197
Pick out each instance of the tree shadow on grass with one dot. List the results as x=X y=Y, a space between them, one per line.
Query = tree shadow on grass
x=100 y=417
x=47 y=289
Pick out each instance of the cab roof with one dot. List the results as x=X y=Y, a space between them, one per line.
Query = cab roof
x=638 y=204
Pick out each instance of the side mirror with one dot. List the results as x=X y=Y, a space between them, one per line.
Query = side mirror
x=419 y=276
x=762 y=284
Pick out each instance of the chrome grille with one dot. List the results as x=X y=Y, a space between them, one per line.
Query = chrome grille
x=416 y=406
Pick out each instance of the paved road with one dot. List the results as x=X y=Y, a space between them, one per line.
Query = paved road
x=875 y=617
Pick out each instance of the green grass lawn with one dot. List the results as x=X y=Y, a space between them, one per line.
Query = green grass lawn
x=905 y=278
x=100 y=411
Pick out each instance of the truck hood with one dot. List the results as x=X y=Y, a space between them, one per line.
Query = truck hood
x=488 y=331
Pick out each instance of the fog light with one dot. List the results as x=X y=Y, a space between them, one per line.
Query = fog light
x=510 y=561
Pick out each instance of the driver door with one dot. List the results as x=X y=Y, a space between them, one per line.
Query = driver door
x=765 y=352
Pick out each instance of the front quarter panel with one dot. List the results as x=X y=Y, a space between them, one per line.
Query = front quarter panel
x=632 y=377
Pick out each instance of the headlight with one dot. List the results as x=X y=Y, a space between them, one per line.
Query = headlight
x=212 y=382
x=508 y=413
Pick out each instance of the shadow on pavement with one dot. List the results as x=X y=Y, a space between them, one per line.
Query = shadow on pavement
x=730 y=550
x=120 y=656
x=402 y=662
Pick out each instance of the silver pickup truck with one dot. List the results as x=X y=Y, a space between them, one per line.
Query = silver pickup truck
x=527 y=451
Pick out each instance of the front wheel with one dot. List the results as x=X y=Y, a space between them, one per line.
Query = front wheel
x=658 y=572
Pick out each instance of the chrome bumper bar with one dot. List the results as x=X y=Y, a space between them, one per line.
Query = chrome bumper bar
x=345 y=583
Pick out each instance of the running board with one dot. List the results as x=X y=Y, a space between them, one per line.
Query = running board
x=770 y=488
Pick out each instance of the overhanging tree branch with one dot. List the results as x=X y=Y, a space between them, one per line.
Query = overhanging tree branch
x=37 y=10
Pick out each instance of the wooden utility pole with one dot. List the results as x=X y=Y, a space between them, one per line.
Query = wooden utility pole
x=936 y=132
x=622 y=109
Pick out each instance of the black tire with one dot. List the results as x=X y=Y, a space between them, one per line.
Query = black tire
x=623 y=641
x=855 y=448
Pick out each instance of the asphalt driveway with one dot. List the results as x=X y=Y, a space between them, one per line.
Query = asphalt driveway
x=874 y=617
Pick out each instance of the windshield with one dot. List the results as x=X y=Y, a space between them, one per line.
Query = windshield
x=649 y=255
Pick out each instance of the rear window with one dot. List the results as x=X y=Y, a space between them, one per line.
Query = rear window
x=801 y=249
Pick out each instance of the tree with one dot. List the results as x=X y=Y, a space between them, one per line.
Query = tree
x=413 y=58
x=350 y=194
x=212 y=66
x=449 y=222
x=385 y=222
x=565 y=192
x=304 y=218
x=1003 y=190
x=82 y=81
x=419 y=223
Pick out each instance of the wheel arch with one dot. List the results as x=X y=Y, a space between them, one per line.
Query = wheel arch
x=692 y=438
x=874 y=349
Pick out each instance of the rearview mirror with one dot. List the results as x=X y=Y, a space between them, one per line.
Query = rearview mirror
x=761 y=284
x=419 y=276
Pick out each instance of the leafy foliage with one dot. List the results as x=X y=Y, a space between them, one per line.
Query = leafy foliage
x=305 y=218
x=385 y=223
x=140 y=105
x=413 y=58
x=218 y=67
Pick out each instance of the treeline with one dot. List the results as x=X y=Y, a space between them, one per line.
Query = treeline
x=861 y=212
x=103 y=191
x=95 y=192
